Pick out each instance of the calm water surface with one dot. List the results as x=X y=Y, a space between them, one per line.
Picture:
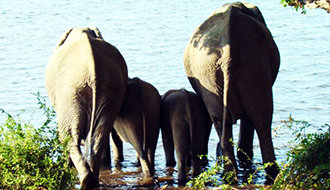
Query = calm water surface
x=152 y=36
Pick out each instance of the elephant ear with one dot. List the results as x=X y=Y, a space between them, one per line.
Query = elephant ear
x=255 y=12
x=63 y=38
x=96 y=32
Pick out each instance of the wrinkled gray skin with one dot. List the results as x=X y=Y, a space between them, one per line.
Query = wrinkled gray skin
x=138 y=123
x=185 y=126
x=86 y=80
x=232 y=62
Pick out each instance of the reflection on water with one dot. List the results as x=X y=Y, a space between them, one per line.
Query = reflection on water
x=118 y=179
x=129 y=176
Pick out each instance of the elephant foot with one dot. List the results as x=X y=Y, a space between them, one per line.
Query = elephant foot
x=245 y=163
x=219 y=150
x=244 y=159
x=105 y=163
x=182 y=182
x=88 y=181
x=204 y=161
x=119 y=165
x=230 y=177
x=70 y=163
x=169 y=170
x=137 y=163
x=272 y=171
x=170 y=163
x=119 y=159
x=156 y=181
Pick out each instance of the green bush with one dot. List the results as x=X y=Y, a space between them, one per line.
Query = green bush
x=210 y=177
x=295 y=4
x=33 y=158
x=308 y=163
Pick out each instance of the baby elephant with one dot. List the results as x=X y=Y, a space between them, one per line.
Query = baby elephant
x=138 y=123
x=185 y=125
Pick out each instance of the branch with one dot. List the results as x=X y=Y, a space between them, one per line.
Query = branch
x=312 y=4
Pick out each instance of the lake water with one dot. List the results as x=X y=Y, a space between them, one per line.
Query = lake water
x=152 y=35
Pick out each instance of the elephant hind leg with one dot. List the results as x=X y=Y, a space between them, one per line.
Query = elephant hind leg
x=146 y=167
x=106 y=155
x=245 y=143
x=142 y=156
x=117 y=147
x=151 y=158
x=100 y=138
x=268 y=154
x=86 y=177
x=73 y=124
x=181 y=137
x=196 y=161
x=196 y=147
x=227 y=142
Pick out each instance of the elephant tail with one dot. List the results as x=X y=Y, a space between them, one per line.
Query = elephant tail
x=145 y=118
x=190 y=117
x=93 y=116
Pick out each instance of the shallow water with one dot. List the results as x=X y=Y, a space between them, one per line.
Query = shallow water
x=152 y=37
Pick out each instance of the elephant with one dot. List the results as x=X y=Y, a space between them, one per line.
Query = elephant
x=86 y=80
x=138 y=122
x=232 y=61
x=185 y=126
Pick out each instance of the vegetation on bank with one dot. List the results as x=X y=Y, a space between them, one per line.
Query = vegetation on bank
x=33 y=158
x=308 y=162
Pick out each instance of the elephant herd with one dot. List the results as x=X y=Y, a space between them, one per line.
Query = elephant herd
x=231 y=61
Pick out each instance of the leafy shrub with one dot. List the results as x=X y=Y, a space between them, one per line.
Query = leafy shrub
x=308 y=165
x=33 y=158
x=297 y=5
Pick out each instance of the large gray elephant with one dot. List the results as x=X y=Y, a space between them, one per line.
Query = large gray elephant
x=232 y=61
x=86 y=81
x=185 y=126
x=138 y=122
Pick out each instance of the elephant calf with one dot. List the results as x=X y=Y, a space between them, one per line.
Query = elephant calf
x=138 y=123
x=86 y=80
x=185 y=126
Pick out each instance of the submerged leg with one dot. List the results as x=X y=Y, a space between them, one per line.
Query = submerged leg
x=268 y=154
x=117 y=147
x=106 y=156
x=245 y=143
x=227 y=145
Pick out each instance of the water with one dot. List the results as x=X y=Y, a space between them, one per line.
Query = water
x=152 y=36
